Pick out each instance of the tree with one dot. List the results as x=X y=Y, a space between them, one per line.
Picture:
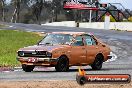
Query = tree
x=57 y=7
x=3 y=9
x=37 y=9
x=15 y=16
x=130 y=19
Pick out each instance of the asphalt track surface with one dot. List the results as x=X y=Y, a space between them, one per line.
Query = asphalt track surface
x=119 y=41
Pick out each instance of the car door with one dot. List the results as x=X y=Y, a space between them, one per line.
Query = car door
x=78 y=51
x=92 y=48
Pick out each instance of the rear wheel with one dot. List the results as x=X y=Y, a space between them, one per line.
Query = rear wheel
x=27 y=68
x=62 y=64
x=97 y=65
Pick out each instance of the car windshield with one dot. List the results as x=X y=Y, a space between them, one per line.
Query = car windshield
x=56 y=39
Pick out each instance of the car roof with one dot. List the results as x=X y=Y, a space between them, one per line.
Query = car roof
x=72 y=33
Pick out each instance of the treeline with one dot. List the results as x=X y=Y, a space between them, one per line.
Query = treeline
x=41 y=11
x=33 y=11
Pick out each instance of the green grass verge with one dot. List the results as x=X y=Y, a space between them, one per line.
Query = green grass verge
x=11 y=41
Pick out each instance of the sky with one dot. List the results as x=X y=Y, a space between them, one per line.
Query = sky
x=126 y=3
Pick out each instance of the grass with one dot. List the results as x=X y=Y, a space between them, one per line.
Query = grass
x=11 y=41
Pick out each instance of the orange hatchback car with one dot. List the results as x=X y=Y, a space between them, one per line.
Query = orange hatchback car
x=64 y=49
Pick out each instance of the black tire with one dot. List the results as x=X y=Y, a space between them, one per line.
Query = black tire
x=97 y=65
x=27 y=68
x=62 y=64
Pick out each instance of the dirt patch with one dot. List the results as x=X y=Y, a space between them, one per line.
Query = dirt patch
x=40 y=33
x=58 y=84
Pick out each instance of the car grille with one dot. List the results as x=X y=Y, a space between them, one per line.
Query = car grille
x=32 y=54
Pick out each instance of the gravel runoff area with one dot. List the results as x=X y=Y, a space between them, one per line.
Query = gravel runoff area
x=57 y=84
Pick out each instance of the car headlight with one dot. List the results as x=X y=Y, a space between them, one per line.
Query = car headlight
x=48 y=54
x=20 y=53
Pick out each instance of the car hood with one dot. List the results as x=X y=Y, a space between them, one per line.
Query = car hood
x=42 y=48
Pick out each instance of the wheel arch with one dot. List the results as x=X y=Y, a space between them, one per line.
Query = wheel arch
x=62 y=59
x=100 y=54
x=97 y=64
x=64 y=56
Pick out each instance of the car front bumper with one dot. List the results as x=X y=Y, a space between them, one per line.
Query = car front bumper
x=36 y=59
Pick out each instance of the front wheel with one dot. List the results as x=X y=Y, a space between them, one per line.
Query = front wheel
x=62 y=64
x=97 y=65
x=27 y=68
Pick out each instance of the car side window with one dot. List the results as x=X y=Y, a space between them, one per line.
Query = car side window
x=78 y=41
x=90 y=40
